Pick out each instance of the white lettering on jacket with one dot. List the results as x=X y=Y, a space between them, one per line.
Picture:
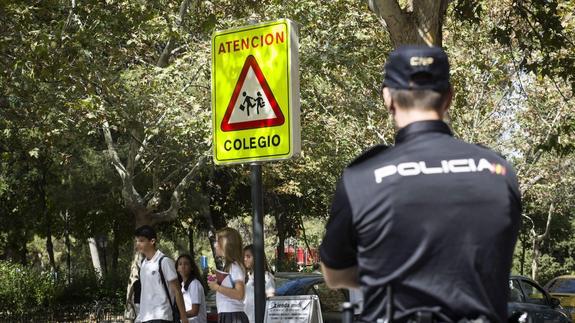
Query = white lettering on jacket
x=467 y=165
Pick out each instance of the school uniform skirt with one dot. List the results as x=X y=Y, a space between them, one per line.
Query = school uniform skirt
x=233 y=317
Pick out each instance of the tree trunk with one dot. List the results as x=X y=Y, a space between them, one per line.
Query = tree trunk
x=205 y=209
x=538 y=242
x=102 y=249
x=23 y=253
x=536 y=254
x=419 y=22
x=49 y=244
x=212 y=237
x=142 y=215
x=47 y=218
x=523 y=250
x=68 y=247
x=304 y=237
x=191 y=242
x=129 y=307
x=280 y=249
x=15 y=250
x=95 y=257
x=116 y=246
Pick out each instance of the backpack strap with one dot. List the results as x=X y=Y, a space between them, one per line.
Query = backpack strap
x=140 y=267
x=137 y=285
x=231 y=278
x=166 y=286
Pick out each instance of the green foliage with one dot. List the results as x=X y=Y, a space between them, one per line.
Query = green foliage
x=468 y=10
x=288 y=264
x=23 y=289
x=87 y=289
x=544 y=33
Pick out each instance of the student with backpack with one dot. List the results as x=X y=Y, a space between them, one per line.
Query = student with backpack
x=192 y=289
x=231 y=289
x=161 y=300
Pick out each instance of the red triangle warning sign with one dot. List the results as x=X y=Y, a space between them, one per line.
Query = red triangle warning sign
x=253 y=104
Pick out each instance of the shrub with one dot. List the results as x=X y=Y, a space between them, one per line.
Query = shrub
x=86 y=289
x=23 y=289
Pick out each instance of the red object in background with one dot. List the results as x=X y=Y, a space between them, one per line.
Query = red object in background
x=220 y=276
x=212 y=317
x=299 y=256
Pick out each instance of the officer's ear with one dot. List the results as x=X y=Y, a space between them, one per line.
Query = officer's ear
x=448 y=100
x=388 y=100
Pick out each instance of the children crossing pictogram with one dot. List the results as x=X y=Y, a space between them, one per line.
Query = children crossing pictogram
x=252 y=104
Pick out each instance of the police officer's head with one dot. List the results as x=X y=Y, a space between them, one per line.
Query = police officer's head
x=416 y=83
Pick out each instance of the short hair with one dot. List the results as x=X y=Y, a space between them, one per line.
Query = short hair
x=146 y=231
x=422 y=99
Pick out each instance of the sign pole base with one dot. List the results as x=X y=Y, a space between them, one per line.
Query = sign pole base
x=258 y=236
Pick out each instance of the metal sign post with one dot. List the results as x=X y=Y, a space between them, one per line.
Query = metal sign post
x=258 y=230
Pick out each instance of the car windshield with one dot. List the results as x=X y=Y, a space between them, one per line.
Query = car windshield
x=563 y=286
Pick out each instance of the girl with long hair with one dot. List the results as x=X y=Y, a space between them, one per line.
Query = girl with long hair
x=230 y=290
x=269 y=282
x=192 y=289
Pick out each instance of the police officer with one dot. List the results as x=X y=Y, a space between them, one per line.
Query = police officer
x=433 y=217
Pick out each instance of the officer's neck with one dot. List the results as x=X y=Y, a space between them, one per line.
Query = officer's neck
x=403 y=117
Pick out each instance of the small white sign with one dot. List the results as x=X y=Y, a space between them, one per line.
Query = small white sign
x=293 y=309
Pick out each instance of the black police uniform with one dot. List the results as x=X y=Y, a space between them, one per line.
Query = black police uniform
x=435 y=217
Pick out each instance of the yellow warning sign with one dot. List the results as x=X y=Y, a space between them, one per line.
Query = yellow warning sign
x=255 y=93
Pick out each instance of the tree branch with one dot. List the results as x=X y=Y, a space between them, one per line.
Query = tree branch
x=167 y=52
x=390 y=14
x=537 y=240
x=131 y=196
x=112 y=153
x=149 y=137
x=539 y=152
x=549 y=216
x=70 y=17
x=176 y=199
x=420 y=23
x=387 y=9
x=135 y=144
x=566 y=164
x=430 y=16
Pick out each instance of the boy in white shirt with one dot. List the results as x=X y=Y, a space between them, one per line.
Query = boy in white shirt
x=155 y=304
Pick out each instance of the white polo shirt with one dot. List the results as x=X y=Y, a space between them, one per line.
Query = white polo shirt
x=195 y=295
x=154 y=304
x=226 y=304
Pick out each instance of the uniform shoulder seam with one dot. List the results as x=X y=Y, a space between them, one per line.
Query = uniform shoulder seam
x=372 y=151
x=491 y=150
